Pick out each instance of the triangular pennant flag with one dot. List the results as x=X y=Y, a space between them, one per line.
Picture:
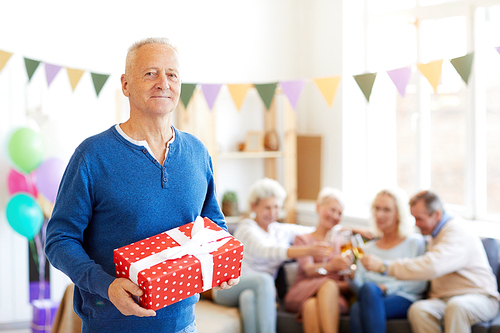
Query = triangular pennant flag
x=211 y=91
x=292 y=90
x=187 y=90
x=328 y=87
x=238 y=93
x=74 y=76
x=4 y=57
x=432 y=72
x=400 y=77
x=266 y=92
x=498 y=49
x=463 y=65
x=51 y=72
x=365 y=83
x=99 y=81
x=31 y=66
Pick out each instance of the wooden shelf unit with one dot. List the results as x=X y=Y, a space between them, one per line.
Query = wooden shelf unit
x=198 y=120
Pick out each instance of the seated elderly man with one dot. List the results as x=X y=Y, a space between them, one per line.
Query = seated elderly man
x=463 y=288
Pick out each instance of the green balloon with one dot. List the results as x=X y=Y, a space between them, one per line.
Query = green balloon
x=24 y=215
x=26 y=149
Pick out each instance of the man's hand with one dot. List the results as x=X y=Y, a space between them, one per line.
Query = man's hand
x=338 y=263
x=227 y=284
x=120 y=293
x=372 y=263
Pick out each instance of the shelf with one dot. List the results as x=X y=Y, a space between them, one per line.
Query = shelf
x=251 y=154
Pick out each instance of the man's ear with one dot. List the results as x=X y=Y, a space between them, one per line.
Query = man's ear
x=124 y=81
x=437 y=215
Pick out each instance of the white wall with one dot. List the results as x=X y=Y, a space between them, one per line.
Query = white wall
x=220 y=41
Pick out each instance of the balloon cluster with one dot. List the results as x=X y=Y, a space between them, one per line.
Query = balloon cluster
x=33 y=185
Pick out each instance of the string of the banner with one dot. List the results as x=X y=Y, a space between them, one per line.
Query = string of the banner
x=327 y=85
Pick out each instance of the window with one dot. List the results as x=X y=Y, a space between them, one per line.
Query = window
x=447 y=139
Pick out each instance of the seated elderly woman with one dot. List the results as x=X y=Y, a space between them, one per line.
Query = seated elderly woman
x=317 y=295
x=381 y=297
x=266 y=246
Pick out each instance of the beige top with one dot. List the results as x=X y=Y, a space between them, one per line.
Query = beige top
x=455 y=263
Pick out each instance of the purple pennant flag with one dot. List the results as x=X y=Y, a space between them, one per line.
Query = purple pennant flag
x=210 y=91
x=400 y=77
x=292 y=90
x=51 y=72
x=498 y=49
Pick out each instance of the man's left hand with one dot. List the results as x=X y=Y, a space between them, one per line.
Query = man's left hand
x=227 y=284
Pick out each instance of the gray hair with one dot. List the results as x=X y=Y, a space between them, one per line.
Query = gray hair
x=152 y=40
x=266 y=188
x=431 y=200
x=406 y=223
x=328 y=193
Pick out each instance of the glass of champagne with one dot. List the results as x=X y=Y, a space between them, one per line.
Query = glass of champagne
x=328 y=239
x=358 y=248
x=346 y=248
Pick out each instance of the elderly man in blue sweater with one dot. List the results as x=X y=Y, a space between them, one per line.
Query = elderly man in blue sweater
x=132 y=181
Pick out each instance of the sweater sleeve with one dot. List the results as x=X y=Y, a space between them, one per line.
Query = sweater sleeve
x=444 y=257
x=211 y=208
x=65 y=231
x=256 y=246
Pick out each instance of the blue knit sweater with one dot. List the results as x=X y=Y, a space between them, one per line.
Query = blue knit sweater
x=113 y=193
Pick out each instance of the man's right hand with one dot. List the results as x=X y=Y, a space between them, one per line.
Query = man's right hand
x=120 y=293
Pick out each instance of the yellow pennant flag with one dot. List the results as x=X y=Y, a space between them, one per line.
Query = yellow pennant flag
x=328 y=87
x=432 y=72
x=4 y=57
x=74 y=76
x=238 y=92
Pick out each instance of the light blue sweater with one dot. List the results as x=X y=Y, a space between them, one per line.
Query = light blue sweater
x=413 y=246
x=113 y=193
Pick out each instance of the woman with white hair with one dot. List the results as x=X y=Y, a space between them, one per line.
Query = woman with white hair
x=381 y=297
x=267 y=244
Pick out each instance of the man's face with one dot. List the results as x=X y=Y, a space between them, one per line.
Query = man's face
x=153 y=84
x=425 y=222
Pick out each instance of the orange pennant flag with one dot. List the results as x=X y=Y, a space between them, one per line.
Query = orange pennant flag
x=74 y=76
x=4 y=57
x=238 y=92
x=328 y=87
x=432 y=72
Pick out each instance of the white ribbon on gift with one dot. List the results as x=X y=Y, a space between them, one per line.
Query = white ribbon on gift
x=203 y=241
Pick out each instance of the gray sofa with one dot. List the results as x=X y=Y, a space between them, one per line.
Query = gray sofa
x=286 y=322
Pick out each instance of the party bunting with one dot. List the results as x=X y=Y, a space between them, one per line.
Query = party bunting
x=365 y=83
x=432 y=72
x=328 y=87
x=292 y=90
x=400 y=77
x=4 y=57
x=74 y=76
x=51 y=72
x=463 y=66
x=211 y=91
x=266 y=92
x=187 y=90
x=99 y=80
x=238 y=93
x=498 y=49
x=31 y=66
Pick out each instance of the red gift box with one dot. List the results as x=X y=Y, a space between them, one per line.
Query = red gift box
x=180 y=263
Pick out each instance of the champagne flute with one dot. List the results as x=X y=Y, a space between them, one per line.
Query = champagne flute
x=328 y=239
x=358 y=249
x=346 y=248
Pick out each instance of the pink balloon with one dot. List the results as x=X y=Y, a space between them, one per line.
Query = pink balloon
x=48 y=177
x=18 y=182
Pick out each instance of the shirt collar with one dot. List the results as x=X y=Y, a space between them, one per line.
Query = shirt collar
x=445 y=218
x=144 y=143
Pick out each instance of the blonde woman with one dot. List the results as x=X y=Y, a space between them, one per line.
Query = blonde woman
x=381 y=297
